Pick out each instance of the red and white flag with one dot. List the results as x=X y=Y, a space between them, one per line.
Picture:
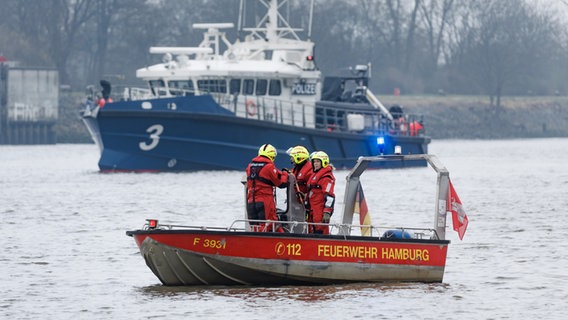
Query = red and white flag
x=459 y=218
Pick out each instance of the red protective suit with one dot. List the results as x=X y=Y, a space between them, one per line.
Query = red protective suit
x=320 y=191
x=303 y=173
x=262 y=177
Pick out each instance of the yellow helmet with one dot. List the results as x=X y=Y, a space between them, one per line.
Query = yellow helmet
x=268 y=150
x=298 y=154
x=322 y=156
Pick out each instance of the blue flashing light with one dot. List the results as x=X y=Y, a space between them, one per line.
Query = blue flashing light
x=380 y=141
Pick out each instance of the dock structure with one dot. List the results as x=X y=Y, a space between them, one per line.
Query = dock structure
x=29 y=99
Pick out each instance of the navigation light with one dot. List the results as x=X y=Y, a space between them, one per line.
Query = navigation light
x=152 y=223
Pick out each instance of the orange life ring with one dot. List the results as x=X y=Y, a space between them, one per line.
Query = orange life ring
x=251 y=108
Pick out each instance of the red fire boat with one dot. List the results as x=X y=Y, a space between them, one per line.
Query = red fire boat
x=235 y=255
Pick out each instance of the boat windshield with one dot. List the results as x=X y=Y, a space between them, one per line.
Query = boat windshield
x=212 y=85
x=181 y=87
x=258 y=87
x=158 y=87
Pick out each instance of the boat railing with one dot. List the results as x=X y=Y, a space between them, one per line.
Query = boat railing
x=343 y=117
x=331 y=117
x=349 y=117
x=261 y=108
x=300 y=227
x=163 y=226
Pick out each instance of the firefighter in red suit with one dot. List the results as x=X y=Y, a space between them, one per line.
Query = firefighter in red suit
x=321 y=197
x=302 y=170
x=262 y=178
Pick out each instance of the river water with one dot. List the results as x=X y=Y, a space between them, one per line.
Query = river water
x=65 y=254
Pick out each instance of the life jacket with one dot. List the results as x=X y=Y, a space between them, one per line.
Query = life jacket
x=315 y=191
x=262 y=177
x=314 y=181
x=303 y=172
x=254 y=174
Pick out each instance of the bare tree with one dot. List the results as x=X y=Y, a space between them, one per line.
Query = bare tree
x=53 y=26
x=410 y=36
x=506 y=41
x=389 y=32
x=493 y=47
x=336 y=33
x=104 y=10
x=135 y=26
x=436 y=15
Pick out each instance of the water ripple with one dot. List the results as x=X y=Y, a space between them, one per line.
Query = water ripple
x=65 y=253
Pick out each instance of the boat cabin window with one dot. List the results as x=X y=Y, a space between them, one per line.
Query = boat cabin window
x=261 y=86
x=158 y=87
x=212 y=85
x=235 y=86
x=181 y=87
x=275 y=88
x=248 y=86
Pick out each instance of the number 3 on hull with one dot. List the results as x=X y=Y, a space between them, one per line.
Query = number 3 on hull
x=155 y=131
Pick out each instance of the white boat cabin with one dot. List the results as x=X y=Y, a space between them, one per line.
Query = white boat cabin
x=269 y=75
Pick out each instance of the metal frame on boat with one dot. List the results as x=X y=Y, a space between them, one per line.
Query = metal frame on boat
x=234 y=255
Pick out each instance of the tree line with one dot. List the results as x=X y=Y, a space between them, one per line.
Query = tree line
x=474 y=47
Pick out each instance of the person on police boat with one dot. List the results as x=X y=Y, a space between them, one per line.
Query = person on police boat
x=321 y=197
x=262 y=179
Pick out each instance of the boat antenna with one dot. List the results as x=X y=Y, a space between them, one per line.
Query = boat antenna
x=241 y=17
x=310 y=20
